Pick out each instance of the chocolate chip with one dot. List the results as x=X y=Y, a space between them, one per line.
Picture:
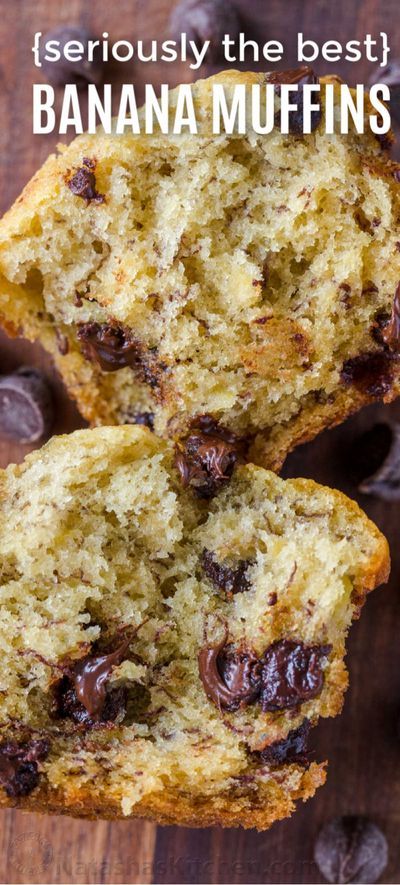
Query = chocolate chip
x=67 y=705
x=301 y=77
x=390 y=76
x=383 y=480
x=229 y=677
x=19 y=773
x=207 y=457
x=146 y=419
x=391 y=331
x=287 y=674
x=351 y=849
x=61 y=72
x=83 y=182
x=231 y=580
x=290 y=674
x=203 y=20
x=371 y=373
x=290 y=750
x=85 y=686
x=26 y=405
x=114 y=347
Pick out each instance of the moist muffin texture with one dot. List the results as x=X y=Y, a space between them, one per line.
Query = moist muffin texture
x=166 y=656
x=250 y=277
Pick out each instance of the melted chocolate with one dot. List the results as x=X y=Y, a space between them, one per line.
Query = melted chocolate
x=19 y=773
x=83 y=182
x=370 y=372
x=91 y=675
x=391 y=332
x=231 y=580
x=67 y=705
x=291 y=673
x=112 y=347
x=229 y=678
x=81 y=695
x=301 y=77
x=292 y=749
x=207 y=458
x=287 y=674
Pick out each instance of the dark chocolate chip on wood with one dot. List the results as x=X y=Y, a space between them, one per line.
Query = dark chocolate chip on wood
x=203 y=20
x=351 y=849
x=63 y=71
x=26 y=405
x=384 y=481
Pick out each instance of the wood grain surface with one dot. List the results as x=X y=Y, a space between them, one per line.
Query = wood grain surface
x=362 y=746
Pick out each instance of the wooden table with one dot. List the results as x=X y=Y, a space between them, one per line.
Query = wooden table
x=364 y=752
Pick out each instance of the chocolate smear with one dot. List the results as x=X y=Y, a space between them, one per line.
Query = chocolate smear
x=351 y=849
x=290 y=674
x=82 y=693
x=229 y=579
x=207 y=457
x=290 y=750
x=229 y=678
x=83 y=182
x=19 y=772
x=26 y=405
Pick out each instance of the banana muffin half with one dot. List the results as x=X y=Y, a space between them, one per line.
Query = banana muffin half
x=166 y=653
x=254 y=278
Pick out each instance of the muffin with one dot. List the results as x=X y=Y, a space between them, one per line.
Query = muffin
x=249 y=277
x=166 y=653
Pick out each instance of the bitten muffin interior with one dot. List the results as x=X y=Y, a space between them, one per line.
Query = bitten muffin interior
x=248 y=276
x=163 y=655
